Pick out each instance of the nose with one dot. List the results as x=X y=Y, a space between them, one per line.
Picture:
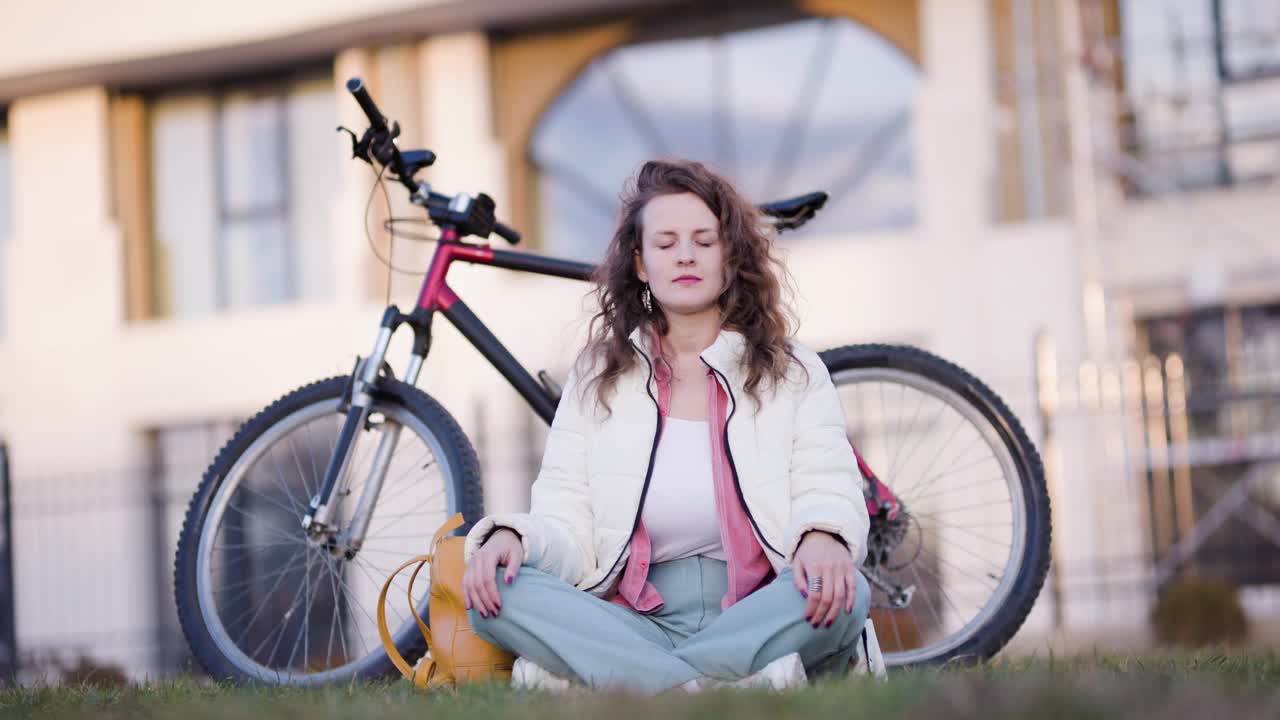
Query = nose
x=685 y=256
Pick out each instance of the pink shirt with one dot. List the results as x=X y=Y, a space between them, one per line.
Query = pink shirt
x=747 y=565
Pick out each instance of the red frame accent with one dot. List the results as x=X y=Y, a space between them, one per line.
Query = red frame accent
x=436 y=293
x=880 y=496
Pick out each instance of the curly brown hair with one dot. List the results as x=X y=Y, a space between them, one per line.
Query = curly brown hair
x=752 y=302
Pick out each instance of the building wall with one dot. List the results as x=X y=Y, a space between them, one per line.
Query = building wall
x=38 y=36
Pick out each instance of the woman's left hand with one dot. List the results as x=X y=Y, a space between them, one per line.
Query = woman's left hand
x=821 y=555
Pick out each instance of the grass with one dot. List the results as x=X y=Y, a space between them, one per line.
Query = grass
x=1169 y=687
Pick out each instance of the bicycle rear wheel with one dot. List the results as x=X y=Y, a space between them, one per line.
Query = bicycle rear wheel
x=957 y=568
x=261 y=601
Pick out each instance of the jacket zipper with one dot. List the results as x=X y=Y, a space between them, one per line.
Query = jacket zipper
x=644 y=489
x=734 y=468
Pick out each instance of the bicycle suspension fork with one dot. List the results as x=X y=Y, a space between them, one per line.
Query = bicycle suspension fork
x=318 y=522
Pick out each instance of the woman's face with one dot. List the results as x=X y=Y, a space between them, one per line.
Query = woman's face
x=681 y=253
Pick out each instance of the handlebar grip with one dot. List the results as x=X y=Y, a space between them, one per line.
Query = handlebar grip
x=356 y=87
x=511 y=235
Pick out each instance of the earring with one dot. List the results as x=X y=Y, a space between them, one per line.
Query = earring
x=644 y=298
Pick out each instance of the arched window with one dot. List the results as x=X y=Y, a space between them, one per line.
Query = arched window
x=782 y=106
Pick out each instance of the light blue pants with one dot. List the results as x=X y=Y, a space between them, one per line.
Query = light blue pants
x=578 y=636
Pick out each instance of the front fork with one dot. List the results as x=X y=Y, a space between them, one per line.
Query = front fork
x=319 y=522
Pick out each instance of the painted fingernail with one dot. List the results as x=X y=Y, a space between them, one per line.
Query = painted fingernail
x=509 y=580
x=804 y=594
x=829 y=622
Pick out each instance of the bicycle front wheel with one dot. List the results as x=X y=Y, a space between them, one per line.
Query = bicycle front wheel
x=259 y=599
x=957 y=565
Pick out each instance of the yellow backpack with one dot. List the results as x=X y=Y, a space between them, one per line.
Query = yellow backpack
x=455 y=653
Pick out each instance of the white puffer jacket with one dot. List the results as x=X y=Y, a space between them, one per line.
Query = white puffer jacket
x=792 y=461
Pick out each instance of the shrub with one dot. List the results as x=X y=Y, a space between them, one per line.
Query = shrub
x=1194 y=611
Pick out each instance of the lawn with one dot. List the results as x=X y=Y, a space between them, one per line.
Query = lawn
x=1168 y=687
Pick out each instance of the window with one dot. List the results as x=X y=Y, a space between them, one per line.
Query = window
x=1231 y=409
x=6 y=208
x=1201 y=118
x=769 y=101
x=242 y=180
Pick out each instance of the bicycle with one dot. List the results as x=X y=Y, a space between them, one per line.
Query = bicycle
x=297 y=509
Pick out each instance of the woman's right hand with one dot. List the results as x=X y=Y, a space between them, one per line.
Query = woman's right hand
x=479 y=583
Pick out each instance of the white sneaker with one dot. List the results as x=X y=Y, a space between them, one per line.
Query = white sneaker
x=781 y=674
x=528 y=676
x=867 y=656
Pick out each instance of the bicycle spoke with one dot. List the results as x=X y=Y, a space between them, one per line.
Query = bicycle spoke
x=893 y=467
x=297 y=462
x=938 y=454
x=336 y=624
x=907 y=459
x=381 y=551
x=357 y=563
x=917 y=498
x=245 y=555
x=288 y=616
x=351 y=593
x=966 y=530
x=941 y=586
x=946 y=510
x=311 y=456
x=284 y=626
x=967 y=551
x=291 y=512
x=403 y=488
x=260 y=546
x=281 y=628
x=415 y=511
x=277 y=534
x=956 y=568
x=240 y=595
x=336 y=578
x=916 y=488
x=893 y=622
x=929 y=601
x=261 y=606
x=284 y=484
x=288 y=567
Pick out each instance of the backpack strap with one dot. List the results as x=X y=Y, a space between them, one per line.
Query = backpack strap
x=397 y=659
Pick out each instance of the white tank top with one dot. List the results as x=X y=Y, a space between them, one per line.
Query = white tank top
x=680 y=507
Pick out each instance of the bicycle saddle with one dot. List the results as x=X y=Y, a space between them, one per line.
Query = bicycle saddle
x=794 y=212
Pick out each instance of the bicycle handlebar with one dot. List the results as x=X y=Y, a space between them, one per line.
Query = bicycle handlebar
x=379 y=141
x=355 y=86
x=507 y=233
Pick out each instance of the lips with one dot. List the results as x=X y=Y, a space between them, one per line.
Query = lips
x=688 y=280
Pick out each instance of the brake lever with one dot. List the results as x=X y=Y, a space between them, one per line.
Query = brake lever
x=359 y=147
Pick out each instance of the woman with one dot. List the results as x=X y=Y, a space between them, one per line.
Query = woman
x=697 y=483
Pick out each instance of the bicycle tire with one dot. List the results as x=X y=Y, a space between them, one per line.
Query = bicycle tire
x=464 y=485
x=1005 y=620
